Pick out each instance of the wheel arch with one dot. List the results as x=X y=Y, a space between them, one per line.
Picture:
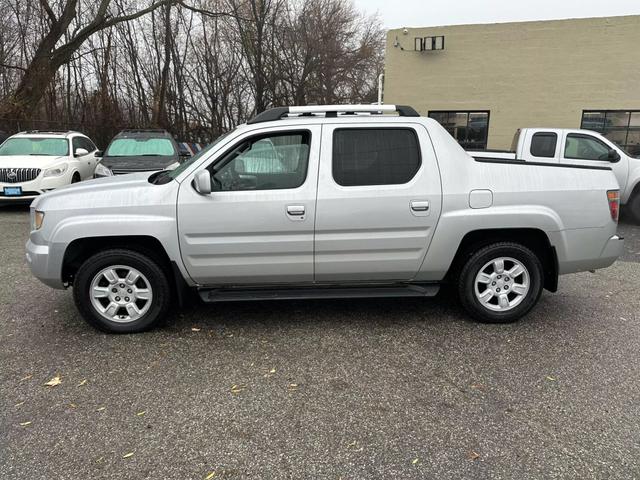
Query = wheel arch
x=79 y=250
x=532 y=238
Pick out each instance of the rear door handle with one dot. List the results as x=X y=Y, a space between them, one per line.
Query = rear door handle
x=295 y=210
x=420 y=206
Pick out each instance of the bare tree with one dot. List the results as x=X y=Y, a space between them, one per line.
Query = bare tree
x=194 y=67
x=51 y=54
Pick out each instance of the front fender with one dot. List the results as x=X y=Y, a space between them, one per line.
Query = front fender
x=161 y=227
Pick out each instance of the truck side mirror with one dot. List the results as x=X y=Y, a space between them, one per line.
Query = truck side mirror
x=202 y=182
x=614 y=156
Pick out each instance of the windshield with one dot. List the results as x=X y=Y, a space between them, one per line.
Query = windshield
x=137 y=147
x=51 y=147
x=177 y=171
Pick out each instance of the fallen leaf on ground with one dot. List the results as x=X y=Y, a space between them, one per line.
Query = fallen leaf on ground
x=24 y=424
x=551 y=379
x=100 y=409
x=26 y=378
x=141 y=413
x=54 y=382
x=273 y=370
x=195 y=329
x=473 y=455
x=72 y=405
x=237 y=388
x=127 y=455
x=18 y=404
x=210 y=476
x=83 y=382
x=415 y=460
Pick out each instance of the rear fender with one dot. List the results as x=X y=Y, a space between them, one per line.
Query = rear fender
x=454 y=226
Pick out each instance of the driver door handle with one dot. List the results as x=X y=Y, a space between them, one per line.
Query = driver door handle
x=420 y=206
x=295 y=210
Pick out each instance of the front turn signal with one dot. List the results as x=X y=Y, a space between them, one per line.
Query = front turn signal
x=38 y=219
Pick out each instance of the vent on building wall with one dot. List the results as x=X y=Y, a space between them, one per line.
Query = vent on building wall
x=427 y=44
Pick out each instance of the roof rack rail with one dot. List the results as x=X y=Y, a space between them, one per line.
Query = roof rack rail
x=48 y=131
x=143 y=130
x=332 y=111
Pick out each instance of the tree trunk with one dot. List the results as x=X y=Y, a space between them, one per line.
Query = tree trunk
x=24 y=100
x=160 y=111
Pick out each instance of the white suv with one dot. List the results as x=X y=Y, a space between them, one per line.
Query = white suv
x=34 y=162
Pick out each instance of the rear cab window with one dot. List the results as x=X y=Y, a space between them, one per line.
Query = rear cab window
x=375 y=156
x=543 y=144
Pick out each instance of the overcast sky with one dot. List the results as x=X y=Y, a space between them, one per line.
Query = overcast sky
x=425 y=13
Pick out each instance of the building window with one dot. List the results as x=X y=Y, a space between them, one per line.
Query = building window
x=375 y=156
x=622 y=127
x=470 y=128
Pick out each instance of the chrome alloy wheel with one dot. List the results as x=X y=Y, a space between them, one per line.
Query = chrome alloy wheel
x=502 y=284
x=120 y=293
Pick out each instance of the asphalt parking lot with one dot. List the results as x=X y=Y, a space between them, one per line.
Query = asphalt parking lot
x=336 y=389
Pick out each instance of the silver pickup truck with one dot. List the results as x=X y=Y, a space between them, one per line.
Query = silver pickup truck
x=325 y=202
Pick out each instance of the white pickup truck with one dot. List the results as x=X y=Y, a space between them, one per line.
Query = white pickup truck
x=575 y=147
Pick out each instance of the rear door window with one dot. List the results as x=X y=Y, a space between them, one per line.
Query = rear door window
x=375 y=156
x=543 y=144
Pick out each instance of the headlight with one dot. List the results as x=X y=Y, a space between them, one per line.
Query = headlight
x=38 y=218
x=56 y=171
x=102 y=171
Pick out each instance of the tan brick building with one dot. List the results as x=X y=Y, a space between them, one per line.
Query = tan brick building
x=490 y=80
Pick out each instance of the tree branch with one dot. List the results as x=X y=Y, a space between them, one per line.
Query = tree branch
x=209 y=13
x=15 y=67
x=47 y=8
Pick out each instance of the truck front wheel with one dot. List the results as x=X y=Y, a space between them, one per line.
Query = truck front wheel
x=121 y=291
x=501 y=283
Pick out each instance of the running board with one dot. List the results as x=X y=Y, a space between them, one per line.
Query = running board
x=237 y=294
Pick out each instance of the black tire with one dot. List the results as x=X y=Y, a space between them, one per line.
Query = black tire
x=633 y=207
x=75 y=178
x=467 y=279
x=147 y=266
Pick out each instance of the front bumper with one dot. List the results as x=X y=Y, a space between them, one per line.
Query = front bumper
x=34 y=188
x=44 y=264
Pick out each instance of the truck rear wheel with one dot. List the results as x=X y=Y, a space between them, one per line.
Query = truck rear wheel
x=121 y=291
x=501 y=283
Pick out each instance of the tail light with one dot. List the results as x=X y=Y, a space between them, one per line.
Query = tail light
x=613 y=196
